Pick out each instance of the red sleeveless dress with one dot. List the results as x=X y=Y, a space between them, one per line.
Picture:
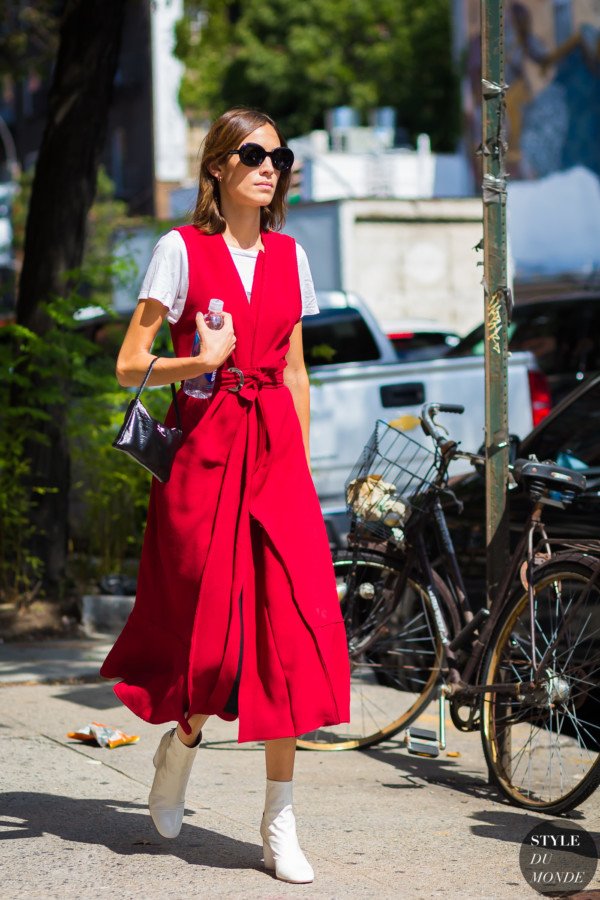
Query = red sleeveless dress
x=236 y=611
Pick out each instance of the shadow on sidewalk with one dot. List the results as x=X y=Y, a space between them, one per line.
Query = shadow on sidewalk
x=101 y=696
x=507 y=823
x=96 y=696
x=122 y=827
x=416 y=772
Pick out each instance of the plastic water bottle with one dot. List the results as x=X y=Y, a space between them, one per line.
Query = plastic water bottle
x=202 y=385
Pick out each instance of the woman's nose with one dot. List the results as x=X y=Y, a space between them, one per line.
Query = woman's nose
x=266 y=166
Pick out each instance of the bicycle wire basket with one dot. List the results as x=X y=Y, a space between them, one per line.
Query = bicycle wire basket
x=392 y=483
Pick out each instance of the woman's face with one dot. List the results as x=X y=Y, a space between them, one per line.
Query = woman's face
x=246 y=186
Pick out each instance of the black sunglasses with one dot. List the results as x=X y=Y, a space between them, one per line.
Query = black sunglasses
x=254 y=155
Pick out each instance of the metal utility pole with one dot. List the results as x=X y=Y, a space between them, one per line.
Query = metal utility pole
x=498 y=302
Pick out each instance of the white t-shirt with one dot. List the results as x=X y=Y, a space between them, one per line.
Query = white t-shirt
x=167 y=276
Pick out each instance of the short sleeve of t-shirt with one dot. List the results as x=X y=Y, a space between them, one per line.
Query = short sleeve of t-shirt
x=167 y=276
x=310 y=306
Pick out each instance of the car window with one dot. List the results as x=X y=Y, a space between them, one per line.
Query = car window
x=563 y=337
x=337 y=336
x=573 y=438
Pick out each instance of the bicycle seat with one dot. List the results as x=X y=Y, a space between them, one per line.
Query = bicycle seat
x=547 y=482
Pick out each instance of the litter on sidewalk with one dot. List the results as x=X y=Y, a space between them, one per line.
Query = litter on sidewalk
x=103 y=735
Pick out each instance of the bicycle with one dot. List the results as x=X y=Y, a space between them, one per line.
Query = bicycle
x=523 y=672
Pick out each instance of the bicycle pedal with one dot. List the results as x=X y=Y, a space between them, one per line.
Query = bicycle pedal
x=422 y=742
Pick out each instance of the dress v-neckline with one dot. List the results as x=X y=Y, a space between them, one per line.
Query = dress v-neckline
x=260 y=257
x=249 y=308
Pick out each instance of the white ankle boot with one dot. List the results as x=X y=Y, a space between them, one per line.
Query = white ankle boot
x=173 y=763
x=278 y=830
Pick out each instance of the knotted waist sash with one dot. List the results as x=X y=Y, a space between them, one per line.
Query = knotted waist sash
x=248 y=382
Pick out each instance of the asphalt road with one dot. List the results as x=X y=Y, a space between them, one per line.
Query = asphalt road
x=377 y=823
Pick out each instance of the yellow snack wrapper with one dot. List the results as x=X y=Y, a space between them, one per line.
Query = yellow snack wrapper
x=103 y=735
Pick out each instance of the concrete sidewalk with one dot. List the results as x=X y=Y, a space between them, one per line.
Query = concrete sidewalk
x=48 y=661
x=378 y=823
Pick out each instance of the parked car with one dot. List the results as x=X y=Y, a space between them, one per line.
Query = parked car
x=357 y=378
x=563 y=335
x=420 y=339
x=570 y=436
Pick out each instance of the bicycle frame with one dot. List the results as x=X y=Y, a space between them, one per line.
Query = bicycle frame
x=463 y=678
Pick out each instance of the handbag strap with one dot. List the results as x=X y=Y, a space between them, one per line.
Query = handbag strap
x=173 y=392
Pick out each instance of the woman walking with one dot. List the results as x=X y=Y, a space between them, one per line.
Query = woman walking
x=236 y=611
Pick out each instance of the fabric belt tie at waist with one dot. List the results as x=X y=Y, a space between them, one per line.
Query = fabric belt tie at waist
x=248 y=382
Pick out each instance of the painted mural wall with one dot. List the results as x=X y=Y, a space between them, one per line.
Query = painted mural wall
x=552 y=67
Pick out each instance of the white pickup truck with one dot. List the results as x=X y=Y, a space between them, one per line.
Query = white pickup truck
x=356 y=378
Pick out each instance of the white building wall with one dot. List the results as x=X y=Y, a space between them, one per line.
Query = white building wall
x=415 y=258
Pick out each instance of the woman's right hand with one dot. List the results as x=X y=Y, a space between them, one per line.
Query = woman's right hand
x=215 y=346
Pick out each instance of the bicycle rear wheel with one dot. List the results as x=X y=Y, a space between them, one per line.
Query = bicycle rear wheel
x=392 y=678
x=542 y=745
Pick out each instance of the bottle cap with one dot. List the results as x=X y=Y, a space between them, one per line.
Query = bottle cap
x=215 y=305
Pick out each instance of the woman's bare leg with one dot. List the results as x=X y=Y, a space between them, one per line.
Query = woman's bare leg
x=279 y=759
x=195 y=723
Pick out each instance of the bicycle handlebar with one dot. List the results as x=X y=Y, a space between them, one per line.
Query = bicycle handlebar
x=428 y=413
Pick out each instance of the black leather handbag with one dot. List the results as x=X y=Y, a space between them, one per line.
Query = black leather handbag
x=148 y=441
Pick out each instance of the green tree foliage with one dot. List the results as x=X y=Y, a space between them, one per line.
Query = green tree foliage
x=108 y=491
x=297 y=60
x=28 y=35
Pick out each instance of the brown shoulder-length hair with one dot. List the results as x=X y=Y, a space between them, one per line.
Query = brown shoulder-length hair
x=226 y=134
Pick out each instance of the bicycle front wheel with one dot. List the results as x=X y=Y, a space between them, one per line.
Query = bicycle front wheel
x=542 y=741
x=394 y=676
